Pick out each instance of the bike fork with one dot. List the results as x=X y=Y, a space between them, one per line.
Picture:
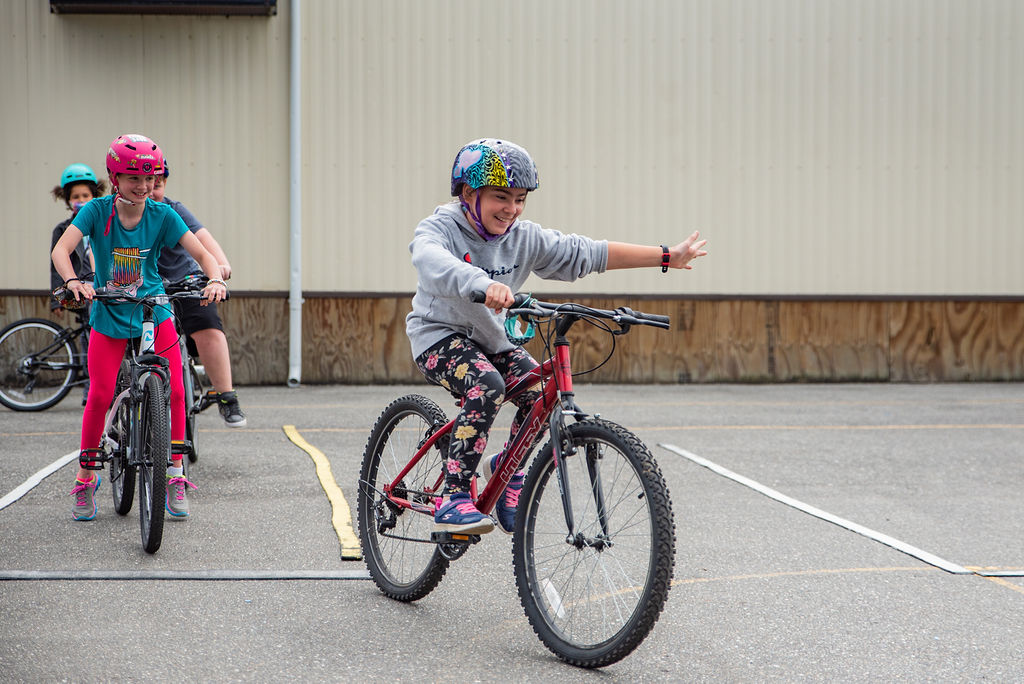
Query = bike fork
x=556 y=431
x=593 y=458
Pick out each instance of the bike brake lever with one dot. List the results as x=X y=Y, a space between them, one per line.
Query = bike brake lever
x=528 y=312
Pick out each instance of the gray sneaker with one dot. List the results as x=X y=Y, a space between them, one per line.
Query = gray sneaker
x=177 y=501
x=230 y=411
x=84 y=508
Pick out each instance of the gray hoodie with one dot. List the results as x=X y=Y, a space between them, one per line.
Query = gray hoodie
x=452 y=261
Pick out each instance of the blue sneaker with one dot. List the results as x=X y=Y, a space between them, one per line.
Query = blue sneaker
x=508 y=502
x=85 y=508
x=460 y=515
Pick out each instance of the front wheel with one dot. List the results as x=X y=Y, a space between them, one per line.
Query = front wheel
x=38 y=364
x=593 y=593
x=122 y=470
x=395 y=539
x=155 y=441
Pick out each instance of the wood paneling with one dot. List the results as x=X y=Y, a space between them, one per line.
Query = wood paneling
x=842 y=340
x=947 y=341
x=362 y=340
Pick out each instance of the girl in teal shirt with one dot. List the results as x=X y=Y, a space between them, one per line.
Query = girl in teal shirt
x=127 y=230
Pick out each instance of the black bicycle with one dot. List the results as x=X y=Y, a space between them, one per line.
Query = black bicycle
x=196 y=400
x=40 y=361
x=136 y=435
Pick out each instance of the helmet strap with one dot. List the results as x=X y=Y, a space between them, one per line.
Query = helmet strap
x=118 y=197
x=113 y=206
x=475 y=218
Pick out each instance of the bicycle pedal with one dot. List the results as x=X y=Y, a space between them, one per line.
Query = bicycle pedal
x=94 y=461
x=181 y=446
x=454 y=538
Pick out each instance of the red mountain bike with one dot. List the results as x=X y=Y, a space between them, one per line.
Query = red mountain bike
x=594 y=541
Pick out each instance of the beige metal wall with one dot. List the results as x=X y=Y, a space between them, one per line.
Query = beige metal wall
x=842 y=147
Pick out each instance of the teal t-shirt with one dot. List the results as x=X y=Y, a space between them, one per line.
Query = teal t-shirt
x=126 y=261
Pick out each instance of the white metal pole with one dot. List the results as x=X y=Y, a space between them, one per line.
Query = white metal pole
x=295 y=199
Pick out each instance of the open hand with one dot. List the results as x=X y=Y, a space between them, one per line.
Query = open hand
x=686 y=251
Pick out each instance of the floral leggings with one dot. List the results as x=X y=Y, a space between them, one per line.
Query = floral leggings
x=462 y=368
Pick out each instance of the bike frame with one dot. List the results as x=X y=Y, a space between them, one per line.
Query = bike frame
x=143 y=364
x=556 y=400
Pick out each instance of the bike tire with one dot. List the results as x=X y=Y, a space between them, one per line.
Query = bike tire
x=155 y=444
x=402 y=570
x=25 y=383
x=593 y=599
x=193 y=404
x=122 y=471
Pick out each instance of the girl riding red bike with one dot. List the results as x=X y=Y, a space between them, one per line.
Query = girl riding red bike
x=479 y=243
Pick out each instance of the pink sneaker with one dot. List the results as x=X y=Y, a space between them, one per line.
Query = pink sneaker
x=85 y=508
x=177 y=503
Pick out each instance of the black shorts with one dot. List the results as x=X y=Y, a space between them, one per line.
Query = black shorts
x=193 y=316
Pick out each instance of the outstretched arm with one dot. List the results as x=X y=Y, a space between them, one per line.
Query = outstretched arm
x=627 y=255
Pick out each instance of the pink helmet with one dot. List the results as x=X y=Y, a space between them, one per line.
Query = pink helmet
x=134 y=154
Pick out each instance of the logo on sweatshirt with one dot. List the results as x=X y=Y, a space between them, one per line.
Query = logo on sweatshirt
x=492 y=272
x=504 y=270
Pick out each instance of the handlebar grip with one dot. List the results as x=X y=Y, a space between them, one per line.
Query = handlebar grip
x=654 y=318
x=479 y=297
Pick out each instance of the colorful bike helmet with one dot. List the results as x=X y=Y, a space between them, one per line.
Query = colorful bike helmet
x=134 y=154
x=494 y=163
x=77 y=173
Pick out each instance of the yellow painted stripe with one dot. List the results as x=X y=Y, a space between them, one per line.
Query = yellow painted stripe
x=1006 y=583
x=341 y=518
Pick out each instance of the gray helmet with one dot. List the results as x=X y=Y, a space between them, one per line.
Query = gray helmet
x=493 y=163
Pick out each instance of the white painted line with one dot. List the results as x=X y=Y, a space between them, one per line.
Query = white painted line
x=174 y=575
x=29 y=484
x=903 y=547
x=999 y=573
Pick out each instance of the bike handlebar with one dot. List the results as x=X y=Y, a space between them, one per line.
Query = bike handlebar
x=525 y=305
x=151 y=300
x=190 y=283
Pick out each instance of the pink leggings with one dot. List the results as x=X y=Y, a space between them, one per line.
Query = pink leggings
x=105 y=354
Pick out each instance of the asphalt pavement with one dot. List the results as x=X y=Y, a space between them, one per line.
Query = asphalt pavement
x=850 y=532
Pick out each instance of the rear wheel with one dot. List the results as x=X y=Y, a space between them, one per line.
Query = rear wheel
x=37 y=364
x=156 y=451
x=122 y=472
x=193 y=403
x=593 y=595
x=395 y=539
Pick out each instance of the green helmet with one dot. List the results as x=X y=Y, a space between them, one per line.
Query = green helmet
x=77 y=173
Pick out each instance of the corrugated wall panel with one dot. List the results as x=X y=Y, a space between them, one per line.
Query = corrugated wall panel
x=208 y=89
x=823 y=146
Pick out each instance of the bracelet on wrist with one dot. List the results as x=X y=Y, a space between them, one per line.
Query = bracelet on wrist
x=70 y=279
x=216 y=280
x=664 y=259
